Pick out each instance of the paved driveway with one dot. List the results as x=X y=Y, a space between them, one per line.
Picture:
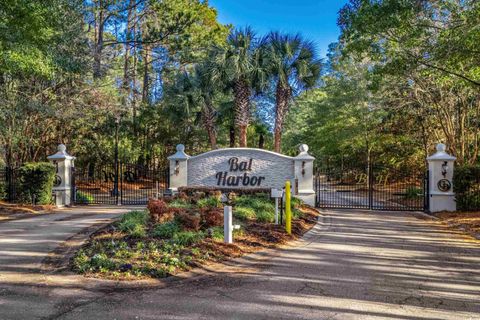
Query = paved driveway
x=26 y=290
x=354 y=265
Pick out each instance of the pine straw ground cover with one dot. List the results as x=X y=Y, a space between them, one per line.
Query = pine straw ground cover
x=465 y=221
x=10 y=211
x=184 y=232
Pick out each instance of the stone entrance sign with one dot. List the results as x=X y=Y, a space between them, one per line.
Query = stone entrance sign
x=243 y=168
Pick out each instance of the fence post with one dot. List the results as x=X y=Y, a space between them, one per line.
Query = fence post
x=440 y=181
x=62 y=188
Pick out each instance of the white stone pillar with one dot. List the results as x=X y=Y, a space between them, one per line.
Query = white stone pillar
x=179 y=168
x=62 y=188
x=303 y=170
x=440 y=180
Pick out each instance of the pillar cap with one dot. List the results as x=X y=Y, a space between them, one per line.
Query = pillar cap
x=441 y=154
x=180 y=154
x=303 y=155
x=61 y=154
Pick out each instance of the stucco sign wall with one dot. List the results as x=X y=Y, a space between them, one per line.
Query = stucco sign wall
x=240 y=168
x=243 y=168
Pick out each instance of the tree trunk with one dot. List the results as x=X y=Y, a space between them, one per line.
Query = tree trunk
x=241 y=91
x=209 y=122
x=282 y=96
x=232 y=136
x=261 y=141
x=242 y=130
x=146 y=75
x=97 y=54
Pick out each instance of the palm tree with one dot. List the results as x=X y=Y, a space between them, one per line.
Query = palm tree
x=292 y=63
x=236 y=65
x=207 y=91
x=196 y=89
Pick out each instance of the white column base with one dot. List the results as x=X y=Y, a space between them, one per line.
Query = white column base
x=442 y=202
x=63 y=197
x=307 y=196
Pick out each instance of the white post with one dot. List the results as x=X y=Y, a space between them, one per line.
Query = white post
x=179 y=168
x=227 y=224
x=440 y=180
x=276 y=193
x=63 y=176
x=304 y=176
x=276 y=210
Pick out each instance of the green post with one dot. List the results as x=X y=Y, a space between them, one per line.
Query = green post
x=288 y=210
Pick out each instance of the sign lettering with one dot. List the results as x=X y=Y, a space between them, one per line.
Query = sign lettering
x=224 y=179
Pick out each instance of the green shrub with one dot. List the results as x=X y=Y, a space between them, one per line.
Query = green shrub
x=209 y=202
x=217 y=233
x=187 y=238
x=36 y=181
x=166 y=230
x=81 y=262
x=134 y=223
x=179 y=203
x=85 y=198
x=265 y=216
x=249 y=207
x=102 y=262
x=296 y=202
x=467 y=187
x=413 y=193
x=244 y=213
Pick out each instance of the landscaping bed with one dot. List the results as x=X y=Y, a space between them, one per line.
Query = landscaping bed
x=178 y=233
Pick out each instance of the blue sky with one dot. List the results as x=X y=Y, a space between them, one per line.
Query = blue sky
x=314 y=19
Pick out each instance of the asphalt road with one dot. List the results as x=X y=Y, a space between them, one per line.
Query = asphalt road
x=353 y=265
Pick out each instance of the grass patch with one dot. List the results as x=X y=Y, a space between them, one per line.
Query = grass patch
x=187 y=238
x=134 y=223
x=209 y=202
x=179 y=203
x=166 y=230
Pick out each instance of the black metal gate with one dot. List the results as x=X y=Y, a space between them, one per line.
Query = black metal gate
x=371 y=187
x=130 y=184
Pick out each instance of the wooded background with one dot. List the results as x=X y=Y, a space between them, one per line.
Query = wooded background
x=404 y=75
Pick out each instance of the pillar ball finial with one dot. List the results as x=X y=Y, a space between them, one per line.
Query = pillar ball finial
x=441 y=147
x=180 y=147
x=61 y=148
x=303 y=148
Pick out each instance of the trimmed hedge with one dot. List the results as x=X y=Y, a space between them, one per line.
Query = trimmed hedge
x=36 y=181
x=466 y=184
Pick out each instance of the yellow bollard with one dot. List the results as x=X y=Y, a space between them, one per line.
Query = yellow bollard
x=288 y=210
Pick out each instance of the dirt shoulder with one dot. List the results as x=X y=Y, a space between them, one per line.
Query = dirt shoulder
x=11 y=211
x=467 y=222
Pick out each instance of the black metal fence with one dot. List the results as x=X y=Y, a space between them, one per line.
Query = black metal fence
x=123 y=184
x=373 y=187
x=9 y=184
